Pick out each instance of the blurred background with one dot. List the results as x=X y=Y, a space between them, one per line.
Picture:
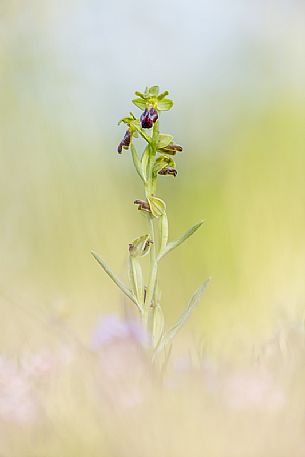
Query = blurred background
x=236 y=72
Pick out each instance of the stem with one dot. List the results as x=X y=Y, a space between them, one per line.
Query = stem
x=149 y=303
x=149 y=190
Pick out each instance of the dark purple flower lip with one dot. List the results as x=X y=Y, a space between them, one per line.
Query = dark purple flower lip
x=148 y=118
x=168 y=171
x=125 y=143
x=143 y=205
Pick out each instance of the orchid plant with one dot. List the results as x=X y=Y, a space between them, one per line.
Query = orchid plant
x=156 y=160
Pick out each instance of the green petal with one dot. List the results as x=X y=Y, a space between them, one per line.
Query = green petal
x=163 y=95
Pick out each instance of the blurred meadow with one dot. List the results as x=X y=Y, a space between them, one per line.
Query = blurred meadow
x=68 y=71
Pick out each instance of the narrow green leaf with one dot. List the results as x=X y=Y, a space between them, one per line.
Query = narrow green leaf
x=185 y=315
x=140 y=103
x=174 y=244
x=137 y=162
x=116 y=280
x=141 y=246
x=165 y=104
x=144 y=163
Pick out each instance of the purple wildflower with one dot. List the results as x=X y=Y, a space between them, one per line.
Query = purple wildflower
x=111 y=329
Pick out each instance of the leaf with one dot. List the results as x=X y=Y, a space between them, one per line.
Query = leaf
x=154 y=90
x=157 y=206
x=174 y=244
x=164 y=140
x=165 y=104
x=140 y=103
x=116 y=280
x=185 y=315
x=137 y=162
x=144 y=162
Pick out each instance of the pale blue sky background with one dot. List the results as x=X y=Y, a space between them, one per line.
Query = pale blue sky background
x=84 y=59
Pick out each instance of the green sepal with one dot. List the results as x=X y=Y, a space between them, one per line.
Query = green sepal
x=162 y=162
x=164 y=140
x=140 y=247
x=157 y=206
x=153 y=91
x=165 y=104
x=140 y=103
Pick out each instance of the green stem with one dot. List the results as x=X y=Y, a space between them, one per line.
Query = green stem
x=150 y=190
x=149 y=300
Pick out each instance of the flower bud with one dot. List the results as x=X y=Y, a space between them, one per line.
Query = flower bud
x=140 y=246
x=125 y=143
x=168 y=171
x=148 y=118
